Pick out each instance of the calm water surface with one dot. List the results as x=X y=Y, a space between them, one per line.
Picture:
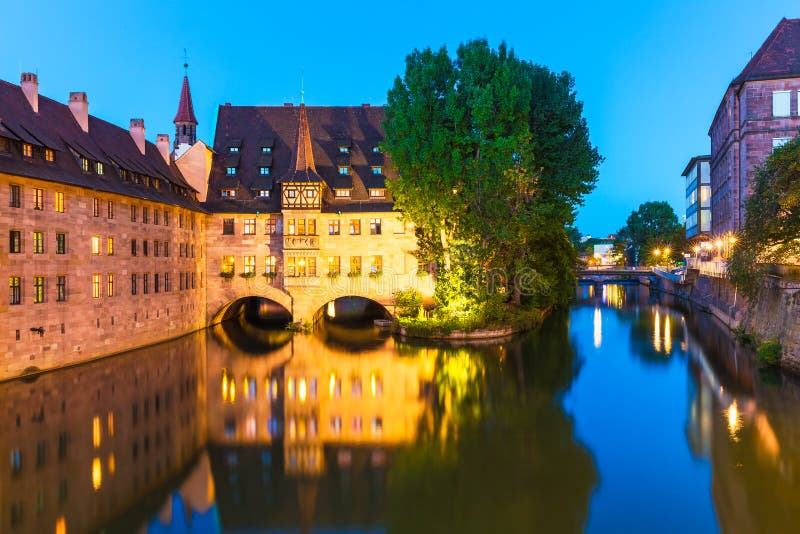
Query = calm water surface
x=625 y=414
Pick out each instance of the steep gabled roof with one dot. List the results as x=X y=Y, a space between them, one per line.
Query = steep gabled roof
x=778 y=57
x=185 y=107
x=303 y=169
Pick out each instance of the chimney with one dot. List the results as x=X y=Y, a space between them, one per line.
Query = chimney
x=30 y=86
x=137 y=133
x=79 y=106
x=162 y=142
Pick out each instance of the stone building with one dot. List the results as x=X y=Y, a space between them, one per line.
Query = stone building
x=759 y=112
x=103 y=237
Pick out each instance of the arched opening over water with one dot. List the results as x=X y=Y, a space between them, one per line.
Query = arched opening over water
x=254 y=325
x=348 y=322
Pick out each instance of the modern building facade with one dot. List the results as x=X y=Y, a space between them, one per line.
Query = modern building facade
x=759 y=112
x=697 y=175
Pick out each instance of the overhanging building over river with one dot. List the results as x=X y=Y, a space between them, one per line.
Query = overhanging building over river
x=114 y=242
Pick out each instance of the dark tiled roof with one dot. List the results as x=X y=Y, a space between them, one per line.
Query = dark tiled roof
x=54 y=127
x=328 y=126
x=778 y=57
x=185 y=108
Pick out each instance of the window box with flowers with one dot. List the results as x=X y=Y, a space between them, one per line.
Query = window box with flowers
x=270 y=275
x=248 y=274
x=226 y=274
x=354 y=274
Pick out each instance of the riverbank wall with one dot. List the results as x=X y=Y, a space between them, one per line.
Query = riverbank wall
x=776 y=316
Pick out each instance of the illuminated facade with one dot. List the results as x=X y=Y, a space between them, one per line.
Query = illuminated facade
x=697 y=176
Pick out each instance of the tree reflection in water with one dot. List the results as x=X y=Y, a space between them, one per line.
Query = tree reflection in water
x=496 y=451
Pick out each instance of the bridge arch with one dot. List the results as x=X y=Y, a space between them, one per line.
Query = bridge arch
x=351 y=307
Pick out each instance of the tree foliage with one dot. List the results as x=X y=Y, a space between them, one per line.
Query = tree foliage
x=653 y=225
x=771 y=232
x=494 y=157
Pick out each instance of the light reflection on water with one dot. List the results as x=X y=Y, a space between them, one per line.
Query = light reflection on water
x=629 y=414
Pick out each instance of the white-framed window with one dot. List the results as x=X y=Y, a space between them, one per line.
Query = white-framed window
x=781 y=103
x=342 y=193
x=234 y=149
x=377 y=193
x=344 y=149
x=263 y=171
x=343 y=170
x=377 y=170
x=263 y=193
x=266 y=149
x=230 y=171
x=376 y=149
x=778 y=142
x=228 y=193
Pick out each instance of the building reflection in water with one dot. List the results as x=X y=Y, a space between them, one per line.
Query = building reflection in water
x=87 y=441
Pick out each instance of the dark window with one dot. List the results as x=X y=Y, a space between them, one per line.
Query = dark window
x=145 y=248
x=61 y=243
x=96 y=207
x=15 y=290
x=166 y=283
x=61 y=288
x=133 y=284
x=110 y=209
x=374 y=226
x=145 y=215
x=14 y=201
x=166 y=249
x=15 y=242
x=133 y=247
x=156 y=283
x=227 y=227
x=145 y=283
x=133 y=213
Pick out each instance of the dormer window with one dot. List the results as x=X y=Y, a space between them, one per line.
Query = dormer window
x=5 y=145
x=263 y=171
x=266 y=149
x=377 y=170
x=291 y=193
x=27 y=150
x=100 y=169
x=376 y=149
x=263 y=193
x=85 y=165
x=377 y=193
x=344 y=149
x=344 y=170
x=311 y=193
x=234 y=150
x=49 y=155
x=230 y=171
x=342 y=193
x=228 y=193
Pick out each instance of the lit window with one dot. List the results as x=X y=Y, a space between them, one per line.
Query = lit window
x=291 y=228
x=49 y=155
x=228 y=264
x=85 y=164
x=334 y=265
x=344 y=149
x=291 y=193
x=781 y=103
x=263 y=171
x=110 y=246
x=249 y=227
x=355 y=226
x=355 y=265
x=271 y=225
x=250 y=265
x=27 y=150
x=344 y=170
x=336 y=425
x=95 y=244
x=377 y=193
x=357 y=424
x=228 y=193
x=38 y=242
x=110 y=285
x=375 y=226
x=38 y=199
x=100 y=168
x=376 y=264
x=376 y=149
x=311 y=193
x=266 y=149
x=269 y=265
x=334 y=386
x=233 y=149
x=356 y=386
x=342 y=193
x=230 y=171
x=263 y=193
x=377 y=170
x=38 y=289
x=333 y=227
x=376 y=385
x=96 y=286
x=59 y=202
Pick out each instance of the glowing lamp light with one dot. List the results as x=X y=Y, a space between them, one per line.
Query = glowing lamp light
x=696 y=249
x=657 y=252
x=332 y=384
x=302 y=390
x=732 y=239
x=302 y=262
x=667 y=251
x=718 y=243
x=96 y=432
x=331 y=310
x=61 y=525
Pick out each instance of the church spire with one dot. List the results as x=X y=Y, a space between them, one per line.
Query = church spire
x=185 y=121
x=304 y=156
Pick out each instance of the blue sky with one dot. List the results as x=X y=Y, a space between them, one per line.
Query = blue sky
x=650 y=72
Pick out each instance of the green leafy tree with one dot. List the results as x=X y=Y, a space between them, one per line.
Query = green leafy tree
x=494 y=157
x=771 y=232
x=653 y=226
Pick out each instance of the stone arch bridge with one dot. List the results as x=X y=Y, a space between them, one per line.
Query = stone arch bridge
x=303 y=297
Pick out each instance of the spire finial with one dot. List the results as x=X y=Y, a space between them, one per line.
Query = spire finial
x=185 y=63
x=302 y=86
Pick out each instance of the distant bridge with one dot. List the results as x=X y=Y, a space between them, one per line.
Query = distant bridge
x=614 y=276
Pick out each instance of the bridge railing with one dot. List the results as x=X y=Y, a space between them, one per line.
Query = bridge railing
x=717 y=269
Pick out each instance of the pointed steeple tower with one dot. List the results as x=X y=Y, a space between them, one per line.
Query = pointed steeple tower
x=302 y=185
x=185 y=121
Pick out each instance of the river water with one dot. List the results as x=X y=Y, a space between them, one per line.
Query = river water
x=626 y=413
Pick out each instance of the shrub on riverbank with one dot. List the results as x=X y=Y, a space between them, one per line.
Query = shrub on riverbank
x=770 y=351
x=518 y=319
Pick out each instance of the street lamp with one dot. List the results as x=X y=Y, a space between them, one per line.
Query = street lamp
x=718 y=244
x=696 y=250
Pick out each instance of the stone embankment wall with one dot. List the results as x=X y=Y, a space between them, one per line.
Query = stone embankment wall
x=775 y=316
